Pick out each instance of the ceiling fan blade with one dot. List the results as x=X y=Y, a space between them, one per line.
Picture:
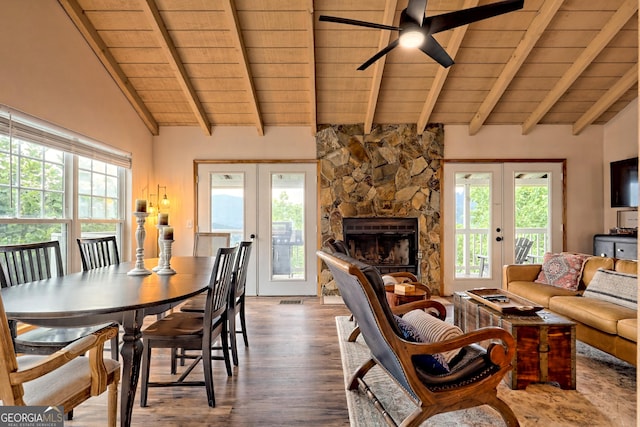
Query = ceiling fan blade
x=378 y=55
x=415 y=9
x=339 y=20
x=447 y=21
x=432 y=48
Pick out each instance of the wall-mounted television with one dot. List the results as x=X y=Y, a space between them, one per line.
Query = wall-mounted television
x=624 y=183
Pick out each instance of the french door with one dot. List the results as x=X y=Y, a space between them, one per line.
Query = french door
x=275 y=205
x=496 y=214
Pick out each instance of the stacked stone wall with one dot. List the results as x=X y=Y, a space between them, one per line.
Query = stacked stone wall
x=391 y=172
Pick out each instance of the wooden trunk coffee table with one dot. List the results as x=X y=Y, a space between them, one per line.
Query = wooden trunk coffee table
x=545 y=342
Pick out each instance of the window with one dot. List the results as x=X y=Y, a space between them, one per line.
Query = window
x=50 y=192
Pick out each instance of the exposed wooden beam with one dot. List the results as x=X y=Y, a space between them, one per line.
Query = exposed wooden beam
x=152 y=13
x=538 y=25
x=612 y=95
x=75 y=12
x=234 y=30
x=441 y=75
x=617 y=21
x=312 y=69
x=378 y=66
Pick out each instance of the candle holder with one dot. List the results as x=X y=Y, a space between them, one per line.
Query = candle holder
x=166 y=259
x=158 y=267
x=141 y=234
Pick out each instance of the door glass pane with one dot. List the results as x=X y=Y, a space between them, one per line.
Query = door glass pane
x=227 y=205
x=287 y=226
x=473 y=220
x=532 y=216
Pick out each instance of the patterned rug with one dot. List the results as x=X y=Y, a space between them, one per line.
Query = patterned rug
x=605 y=394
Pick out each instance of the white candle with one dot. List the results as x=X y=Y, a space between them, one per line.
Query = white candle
x=163 y=218
x=167 y=233
x=141 y=205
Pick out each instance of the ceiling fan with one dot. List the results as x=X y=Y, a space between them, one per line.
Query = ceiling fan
x=416 y=29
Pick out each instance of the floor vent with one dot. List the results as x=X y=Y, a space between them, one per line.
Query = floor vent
x=291 y=301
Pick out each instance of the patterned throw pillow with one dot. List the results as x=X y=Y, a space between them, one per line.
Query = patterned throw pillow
x=562 y=270
x=433 y=363
x=615 y=287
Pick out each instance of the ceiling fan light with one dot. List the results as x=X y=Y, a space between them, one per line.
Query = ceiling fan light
x=411 y=38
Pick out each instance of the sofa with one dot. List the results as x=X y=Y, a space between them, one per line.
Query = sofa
x=608 y=323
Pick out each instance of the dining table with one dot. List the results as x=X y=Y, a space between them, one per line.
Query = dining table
x=109 y=294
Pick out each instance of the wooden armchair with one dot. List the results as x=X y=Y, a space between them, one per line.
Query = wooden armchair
x=472 y=381
x=62 y=378
x=339 y=246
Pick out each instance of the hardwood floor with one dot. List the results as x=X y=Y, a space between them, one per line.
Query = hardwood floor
x=290 y=375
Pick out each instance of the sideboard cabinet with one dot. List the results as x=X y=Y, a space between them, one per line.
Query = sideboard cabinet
x=615 y=246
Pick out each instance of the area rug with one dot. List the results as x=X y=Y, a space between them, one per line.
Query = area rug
x=605 y=394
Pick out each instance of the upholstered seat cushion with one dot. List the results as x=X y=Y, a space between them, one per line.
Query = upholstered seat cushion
x=176 y=324
x=59 y=385
x=538 y=292
x=628 y=328
x=599 y=314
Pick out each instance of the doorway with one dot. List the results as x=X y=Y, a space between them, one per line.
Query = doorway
x=501 y=213
x=274 y=204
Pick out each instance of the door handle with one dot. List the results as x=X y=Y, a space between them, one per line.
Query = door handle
x=498 y=239
x=252 y=236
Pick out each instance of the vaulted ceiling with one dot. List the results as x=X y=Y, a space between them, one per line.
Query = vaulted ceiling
x=266 y=63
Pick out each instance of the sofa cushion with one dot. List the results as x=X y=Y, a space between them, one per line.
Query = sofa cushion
x=562 y=270
x=626 y=266
x=539 y=293
x=591 y=265
x=599 y=314
x=628 y=328
x=615 y=287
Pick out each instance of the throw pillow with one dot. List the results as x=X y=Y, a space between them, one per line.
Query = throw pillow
x=562 y=270
x=433 y=363
x=434 y=330
x=615 y=287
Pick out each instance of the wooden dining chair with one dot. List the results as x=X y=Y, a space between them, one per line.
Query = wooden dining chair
x=236 y=299
x=194 y=331
x=31 y=262
x=60 y=379
x=98 y=252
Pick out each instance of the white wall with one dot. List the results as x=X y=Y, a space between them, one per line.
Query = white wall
x=620 y=142
x=176 y=148
x=48 y=71
x=584 y=166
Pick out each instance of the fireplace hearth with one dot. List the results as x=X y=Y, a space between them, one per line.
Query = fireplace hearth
x=390 y=244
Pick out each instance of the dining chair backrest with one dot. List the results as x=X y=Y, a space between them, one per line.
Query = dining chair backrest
x=98 y=252
x=240 y=268
x=207 y=244
x=219 y=285
x=29 y=262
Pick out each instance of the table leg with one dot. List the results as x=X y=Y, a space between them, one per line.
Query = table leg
x=131 y=356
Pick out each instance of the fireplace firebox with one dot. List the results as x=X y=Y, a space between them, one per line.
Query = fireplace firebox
x=390 y=244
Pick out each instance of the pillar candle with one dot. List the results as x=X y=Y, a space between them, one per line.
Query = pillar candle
x=167 y=233
x=141 y=205
x=163 y=218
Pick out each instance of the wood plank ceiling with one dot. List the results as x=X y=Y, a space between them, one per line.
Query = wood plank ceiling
x=272 y=63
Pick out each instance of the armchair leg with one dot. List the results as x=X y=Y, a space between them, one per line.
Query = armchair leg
x=112 y=403
x=359 y=373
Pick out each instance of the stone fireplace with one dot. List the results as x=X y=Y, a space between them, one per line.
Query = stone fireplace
x=390 y=244
x=393 y=172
